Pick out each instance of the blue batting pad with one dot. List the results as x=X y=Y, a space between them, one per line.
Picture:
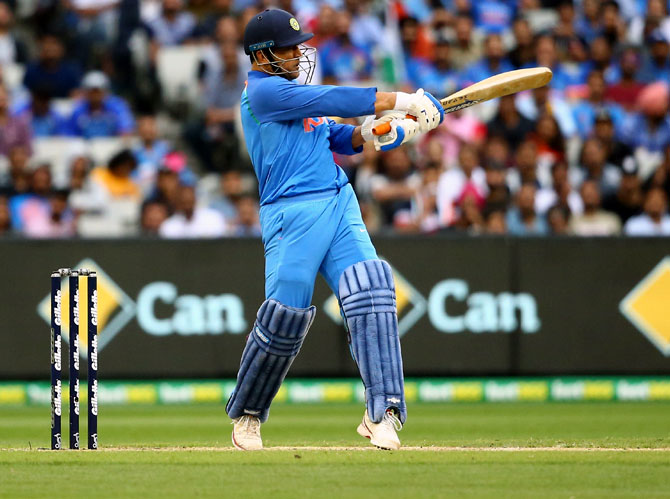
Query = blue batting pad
x=273 y=343
x=367 y=295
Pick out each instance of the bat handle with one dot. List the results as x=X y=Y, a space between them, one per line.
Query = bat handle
x=385 y=128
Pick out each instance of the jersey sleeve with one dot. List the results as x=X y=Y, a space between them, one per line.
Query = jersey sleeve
x=340 y=138
x=276 y=99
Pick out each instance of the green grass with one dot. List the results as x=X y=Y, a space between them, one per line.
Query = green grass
x=350 y=473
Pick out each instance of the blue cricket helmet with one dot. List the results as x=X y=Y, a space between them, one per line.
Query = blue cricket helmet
x=273 y=28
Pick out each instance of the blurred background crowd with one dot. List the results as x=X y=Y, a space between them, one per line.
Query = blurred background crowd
x=121 y=117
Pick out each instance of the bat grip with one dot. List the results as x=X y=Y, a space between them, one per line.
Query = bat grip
x=385 y=128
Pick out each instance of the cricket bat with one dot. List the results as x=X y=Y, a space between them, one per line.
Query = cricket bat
x=496 y=86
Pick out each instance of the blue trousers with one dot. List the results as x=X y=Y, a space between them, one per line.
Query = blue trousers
x=312 y=233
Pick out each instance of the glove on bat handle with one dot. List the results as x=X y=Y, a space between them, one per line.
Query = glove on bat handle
x=385 y=128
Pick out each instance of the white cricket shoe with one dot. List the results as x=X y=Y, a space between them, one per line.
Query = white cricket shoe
x=247 y=433
x=383 y=434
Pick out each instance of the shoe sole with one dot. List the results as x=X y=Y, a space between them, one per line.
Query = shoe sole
x=364 y=431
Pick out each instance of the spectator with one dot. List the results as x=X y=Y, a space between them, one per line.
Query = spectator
x=51 y=72
x=167 y=189
x=510 y=123
x=414 y=38
x=12 y=49
x=394 y=188
x=466 y=180
x=94 y=23
x=56 y=220
x=100 y=114
x=34 y=202
x=493 y=62
x=457 y=128
x=470 y=219
x=626 y=90
x=44 y=120
x=557 y=218
x=152 y=216
x=437 y=76
x=191 y=221
x=523 y=53
x=614 y=27
x=247 y=223
x=522 y=220
x=661 y=177
x=341 y=60
x=324 y=26
x=594 y=167
x=654 y=20
x=600 y=51
x=18 y=179
x=211 y=65
x=585 y=111
x=468 y=47
x=532 y=104
x=5 y=218
x=565 y=31
x=573 y=70
x=207 y=28
x=655 y=220
x=589 y=25
x=549 y=142
x=498 y=196
x=525 y=168
x=115 y=181
x=497 y=151
x=424 y=205
x=496 y=223
x=626 y=202
x=656 y=66
x=560 y=193
x=545 y=55
x=366 y=28
x=594 y=221
x=603 y=130
x=215 y=141
x=172 y=27
x=14 y=130
x=85 y=193
x=492 y=16
x=150 y=152
x=648 y=131
x=230 y=192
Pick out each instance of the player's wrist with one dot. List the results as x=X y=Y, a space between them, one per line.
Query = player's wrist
x=402 y=101
x=366 y=128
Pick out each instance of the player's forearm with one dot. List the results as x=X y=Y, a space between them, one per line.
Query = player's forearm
x=357 y=139
x=385 y=101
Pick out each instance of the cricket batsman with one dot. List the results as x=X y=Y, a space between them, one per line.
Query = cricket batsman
x=311 y=223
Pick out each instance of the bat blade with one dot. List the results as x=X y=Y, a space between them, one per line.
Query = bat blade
x=496 y=86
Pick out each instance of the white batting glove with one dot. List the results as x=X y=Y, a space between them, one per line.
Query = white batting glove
x=426 y=108
x=372 y=122
x=402 y=130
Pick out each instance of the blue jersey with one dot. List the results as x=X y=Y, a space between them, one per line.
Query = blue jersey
x=289 y=138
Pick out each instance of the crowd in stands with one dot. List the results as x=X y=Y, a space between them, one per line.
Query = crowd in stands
x=121 y=117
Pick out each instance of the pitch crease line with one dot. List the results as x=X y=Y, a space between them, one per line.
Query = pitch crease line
x=370 y=448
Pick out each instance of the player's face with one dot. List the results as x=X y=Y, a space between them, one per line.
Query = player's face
x=291 y=66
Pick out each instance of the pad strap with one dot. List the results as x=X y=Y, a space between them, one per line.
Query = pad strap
x=367 y=295
x=273 y=343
